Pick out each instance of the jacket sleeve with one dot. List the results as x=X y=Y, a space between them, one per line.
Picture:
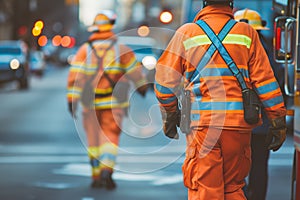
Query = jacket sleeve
x=169 y=73
x=263 y=79
x=77 y=74
x=132 y=68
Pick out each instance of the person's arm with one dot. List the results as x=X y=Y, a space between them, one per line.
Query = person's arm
x=133 y=70
x=76 y=79
x=168 y=77
x=267 y=87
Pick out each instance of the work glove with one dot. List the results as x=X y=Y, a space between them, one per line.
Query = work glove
x=72 y=106
x=171 y=120
x=277 y=134
x=142 y=90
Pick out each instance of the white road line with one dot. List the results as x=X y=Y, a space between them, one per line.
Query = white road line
x=71 y=159
x=78 y=169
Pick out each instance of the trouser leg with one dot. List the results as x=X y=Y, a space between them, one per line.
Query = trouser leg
x=110 y=129
x=258 y=176
x=236 y=153
x=91 y=127
x=216 y=164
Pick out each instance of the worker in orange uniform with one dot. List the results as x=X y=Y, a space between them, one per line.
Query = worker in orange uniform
x=258 y=176
x=226 y=76
x=106 y=66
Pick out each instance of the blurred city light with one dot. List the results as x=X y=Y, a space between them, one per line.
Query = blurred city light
x=166 y=17
x=37 y=28
x=39 y=24
x=149 y=62
x=143 y=31
x=14 y=64
x=66 y=41
x=42 y=41
x=56 y=40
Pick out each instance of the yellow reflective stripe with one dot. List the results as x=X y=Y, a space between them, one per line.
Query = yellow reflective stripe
x=196 y=41
x=200 y=40
x=103 y=91
x=238 y=39
x=74 y=92
x=108 y=147
x=109 y=102
x=93 y=152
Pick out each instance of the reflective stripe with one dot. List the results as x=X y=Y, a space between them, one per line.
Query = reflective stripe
x=74 y=92
x=198 y=40
x=103 y=91
x=273 y=102
x=108 y=153
x=217 y=106
x=267 y=88
x=164 y=90
x=201 y=40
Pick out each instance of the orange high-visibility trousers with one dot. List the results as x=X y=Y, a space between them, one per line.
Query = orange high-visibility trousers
x=103 y=128
x=217 y=163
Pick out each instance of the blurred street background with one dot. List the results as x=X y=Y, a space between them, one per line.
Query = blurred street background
x=42 y=149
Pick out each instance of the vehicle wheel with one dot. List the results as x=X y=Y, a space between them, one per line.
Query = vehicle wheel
x=24 y=84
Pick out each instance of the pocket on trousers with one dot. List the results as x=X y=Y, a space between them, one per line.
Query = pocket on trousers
x=189 y=168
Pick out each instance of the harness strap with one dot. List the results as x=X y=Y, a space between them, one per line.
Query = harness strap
x=212 y=49
x=217 y=43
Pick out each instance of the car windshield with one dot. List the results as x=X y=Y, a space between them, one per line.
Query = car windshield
x=6 y=50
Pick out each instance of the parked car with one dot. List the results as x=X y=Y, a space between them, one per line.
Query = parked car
x=37 y=62
x=14 y=65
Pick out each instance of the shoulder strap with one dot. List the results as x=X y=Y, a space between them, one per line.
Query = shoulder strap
x=212 y=49
x=100 y=61
x=216 y=41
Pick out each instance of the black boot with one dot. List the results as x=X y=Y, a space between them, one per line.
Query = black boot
x=106 y=180
x=95 y=184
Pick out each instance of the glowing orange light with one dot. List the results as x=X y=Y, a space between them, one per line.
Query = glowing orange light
x=56 y=40
x=143 y=31
x=166 y=17
x=66 y=41
x=42 y=41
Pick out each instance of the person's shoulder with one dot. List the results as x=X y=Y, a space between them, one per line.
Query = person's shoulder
x=187 y=27
x=245 y=27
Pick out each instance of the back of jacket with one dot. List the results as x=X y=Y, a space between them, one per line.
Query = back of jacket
x=216 y=95
x=119 y=63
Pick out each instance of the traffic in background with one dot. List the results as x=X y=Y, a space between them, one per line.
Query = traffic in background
x=43 y=149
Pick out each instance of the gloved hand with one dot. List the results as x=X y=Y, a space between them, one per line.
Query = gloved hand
x=277 y=134
x=142 y=90
x=72 y=106
x=171 y=120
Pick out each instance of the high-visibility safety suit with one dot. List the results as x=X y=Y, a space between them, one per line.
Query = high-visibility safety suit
x=218 y=154
x=102 y=121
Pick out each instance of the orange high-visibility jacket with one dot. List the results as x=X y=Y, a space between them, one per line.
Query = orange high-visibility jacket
x=217 y=97
x=119 y=63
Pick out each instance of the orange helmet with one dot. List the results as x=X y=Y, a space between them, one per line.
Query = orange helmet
x=251 y=17
x=104 y=21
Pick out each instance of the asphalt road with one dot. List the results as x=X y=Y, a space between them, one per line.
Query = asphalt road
x=43 y=151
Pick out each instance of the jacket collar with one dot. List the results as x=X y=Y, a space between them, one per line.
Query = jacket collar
x=109 y=35
x=214 y=11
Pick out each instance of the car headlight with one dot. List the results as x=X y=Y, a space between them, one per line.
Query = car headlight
x=149 y=62
x=14 y=64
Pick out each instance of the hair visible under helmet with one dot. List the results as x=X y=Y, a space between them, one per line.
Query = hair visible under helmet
x=219 y=2
x=103 y=21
